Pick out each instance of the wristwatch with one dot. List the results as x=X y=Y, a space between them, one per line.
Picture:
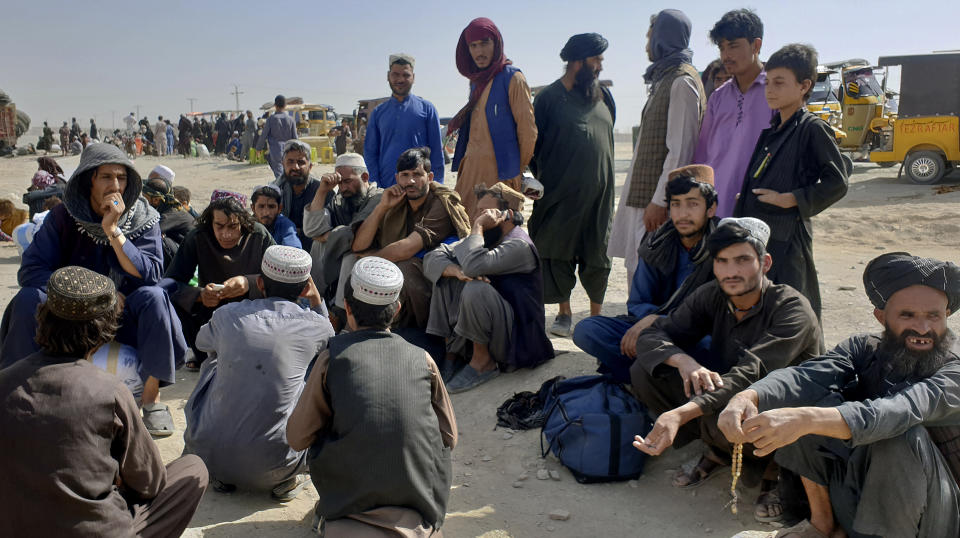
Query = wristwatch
x=116 y=234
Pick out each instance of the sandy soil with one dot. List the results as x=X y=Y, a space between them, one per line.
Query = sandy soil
x=880 y=213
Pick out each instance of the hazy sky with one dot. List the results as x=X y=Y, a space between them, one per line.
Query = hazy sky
x=100 y=59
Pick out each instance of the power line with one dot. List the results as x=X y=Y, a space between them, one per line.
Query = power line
x=192 y=100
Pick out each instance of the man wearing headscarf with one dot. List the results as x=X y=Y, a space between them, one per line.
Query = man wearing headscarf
x=488 y=294
x=175 y=221
x=669 y=128
x=105 y=226
x=185 y=129
x=497 y=131
x=573 y=158
x=872 y=426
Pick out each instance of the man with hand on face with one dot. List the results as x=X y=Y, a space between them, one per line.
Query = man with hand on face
x=411 y=219
x=225 y=251
x=673 y=263
x=402 y=122
x=497 y=129
x=488 y=292
x=105 y=226
x=755 y=327
x=573 y=158
x=265 y=202
x=862 y=424
x=332 y=217
x=297 y=187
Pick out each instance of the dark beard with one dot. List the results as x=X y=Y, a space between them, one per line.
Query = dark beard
x=587 y=85
x=906 y=364
x=294 y=180
x=492 y=236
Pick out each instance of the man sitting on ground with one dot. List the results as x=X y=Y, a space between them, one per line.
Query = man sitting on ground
x=411 y=219
x=378 y=418
x=488 y=294
x=105 y=226
x=75 y=457
x=267 y=209
x=332 y=218
x=175 y=221
x=259 y=354
x=224 y=251
x=674 y=261
x=182 y=194
x=862 y=425
x=297 y=187
x=755 y=327
x=235 y=147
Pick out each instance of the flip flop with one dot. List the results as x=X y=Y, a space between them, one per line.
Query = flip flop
x=192 y=366
x=157 y=419
x=468 y=378
x=698 y=475
x=288 y=491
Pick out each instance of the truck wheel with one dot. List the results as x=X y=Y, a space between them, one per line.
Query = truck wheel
x=925 y=167
x=847 y=163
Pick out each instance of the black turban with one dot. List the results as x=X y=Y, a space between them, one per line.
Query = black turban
x=890 y=273
x=583 y=46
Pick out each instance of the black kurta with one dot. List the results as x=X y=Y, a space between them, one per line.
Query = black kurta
x=802 y=158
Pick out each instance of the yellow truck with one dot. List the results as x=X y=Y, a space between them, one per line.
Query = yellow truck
x=925 y=135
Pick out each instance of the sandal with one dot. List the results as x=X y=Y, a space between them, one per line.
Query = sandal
x=769 y=497
x=192 y=366
x=804 y=529
x=700 y=473
x=157 y=419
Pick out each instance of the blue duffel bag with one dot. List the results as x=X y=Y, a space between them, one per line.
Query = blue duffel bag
x=590 y=424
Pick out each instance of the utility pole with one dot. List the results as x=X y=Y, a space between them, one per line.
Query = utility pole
x=236 y=94
x=113 y=118
x=192 y=100
x=138 y=111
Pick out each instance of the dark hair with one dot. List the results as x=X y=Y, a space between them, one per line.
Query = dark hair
x=736 y=24
x=283 y=290
x=414 y=157
x=800 y=59
x=229 y=206
x=369 y=315
x=51 y=203
x=279 y=101
x=181 y=193
x=69 y=338
x=684 y=184
x=264 y=191
x=400 y=61
x=733 y=234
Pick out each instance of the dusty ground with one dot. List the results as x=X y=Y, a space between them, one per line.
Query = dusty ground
x=880 y=213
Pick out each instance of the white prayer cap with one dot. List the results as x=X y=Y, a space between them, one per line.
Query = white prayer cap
x=290 y=265
x=354 y=160
x=163 y=172
x=376 y=281
x=755 y=227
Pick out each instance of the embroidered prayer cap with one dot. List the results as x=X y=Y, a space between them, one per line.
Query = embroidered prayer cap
x=756 y=228
x=354 y=160
x=583 y=46
x=43 y=179
x=700 y=173
x=891 y=272
x=402 y=57
x=79 y=294
x=376 y=281
x=513 y=198
x=220 y=194
x=164 y=172
x=290 y=265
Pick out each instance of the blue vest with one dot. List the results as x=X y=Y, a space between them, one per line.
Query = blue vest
x=503 y=130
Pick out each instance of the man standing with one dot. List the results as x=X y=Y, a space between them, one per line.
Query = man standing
x=402 y=122
x=497 y=129
x=75 y=128
x=259 y=354
x=669 y=128
x=93 y=130
x=378 y=420
x=160 y=136
x=168 y=131
x=488 y=294
x=755 y=327
x=862 y=425
x=75 y=458
x=737 y=111
x=105 y=226
x=131 y=124
x=222 y=128
x=249 y=135
x=412 y=218
x=278 y=128
x=297 y=187
x=266 y=205
x=573 y=158
x=332 y=218
x=186 y=135
x=674 y=261
x=64 y=139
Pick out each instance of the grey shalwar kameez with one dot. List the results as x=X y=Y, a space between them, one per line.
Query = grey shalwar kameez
x=474 y=311
x=889 y=478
